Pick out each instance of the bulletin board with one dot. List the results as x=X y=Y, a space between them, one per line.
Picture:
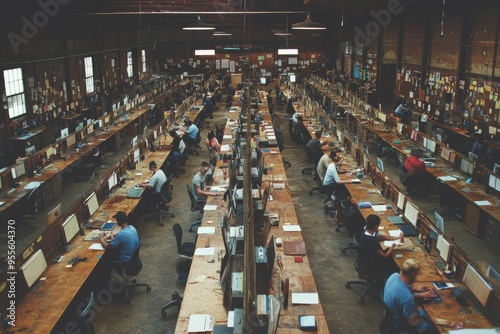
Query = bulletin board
x=440 y=90
x=483 y=100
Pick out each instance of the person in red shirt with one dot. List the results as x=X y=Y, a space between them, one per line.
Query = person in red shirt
x=416 y=171
x=414 y=165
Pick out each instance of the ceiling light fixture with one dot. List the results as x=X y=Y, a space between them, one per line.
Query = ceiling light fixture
x=222 y=33
x=282 y=33
x=198 y=25
x=230 y=48
x=308 y=24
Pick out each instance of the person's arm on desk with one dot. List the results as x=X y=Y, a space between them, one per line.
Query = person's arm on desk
x=105 y=239
x=422 y=292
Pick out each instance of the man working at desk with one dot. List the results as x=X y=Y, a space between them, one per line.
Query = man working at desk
x=125 y=241
x=399 y=296
x=414 y=177
x=199 y=182
x=315 y=147
x=332 y=180
x=191 y=132
x=154 y=185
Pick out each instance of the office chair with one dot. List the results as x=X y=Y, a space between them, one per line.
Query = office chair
x=280 y=139
x=129 y=270
x=186 y=249
x=192 y=145
x=366 y=271
x=176 y=301
x=84 y=321
x=31 y=206
x=387 y=324
x=84 y=173
x=195 y=206
x=344 y=208
x=310 y=157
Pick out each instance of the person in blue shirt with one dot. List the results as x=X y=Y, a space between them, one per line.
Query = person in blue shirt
x=209 y=106
x=190 y=132
x=125 y=241
x=404 y=112
x=399 y=295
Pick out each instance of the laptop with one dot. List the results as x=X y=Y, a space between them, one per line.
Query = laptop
x=396 y=220
x=135 y=192
x=458 y=294
x=408 y=230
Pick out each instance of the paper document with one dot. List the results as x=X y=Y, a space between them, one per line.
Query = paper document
x=206 y=230
x=32 y=185
x=225 y=148
x=96 y=246
x=201 y=323
x=204 y=251
x=209 y=207
x=379 y=207
x=227 y=137
x=394 y=233
x=482 y=203
x=305 y=298
x=447 y=178
x=292 y=228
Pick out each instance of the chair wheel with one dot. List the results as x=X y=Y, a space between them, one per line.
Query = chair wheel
x=347 y=286
x=148 y=288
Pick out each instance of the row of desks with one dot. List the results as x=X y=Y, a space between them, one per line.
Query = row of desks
x=203 y=277
x=446 y=314
x=41 y=310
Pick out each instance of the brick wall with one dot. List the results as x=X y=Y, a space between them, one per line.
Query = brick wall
x=413 y=41
x=390 y=38
x=445 y=49
x=483 y=41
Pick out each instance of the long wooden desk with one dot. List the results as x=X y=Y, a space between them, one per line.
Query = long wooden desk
x=40 y=310
x=300 y=274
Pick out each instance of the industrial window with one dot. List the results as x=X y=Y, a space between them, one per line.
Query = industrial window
x=89 y=74
x=130 y=67
x=143 y=53
x=14 y=91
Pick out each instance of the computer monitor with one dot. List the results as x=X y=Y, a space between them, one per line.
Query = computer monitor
x=477 y=284
x=18 y=170
x=366 y=149
x=439 y=222
x=71 y=140
x=33 y=268
x=496 y=169
x=112 y=181
x=271 y=255
x=89 y=121
x=134 y=141
x=263 y=80
x=64 y=133
x=70 y=228
x=467 y=166
x=472 y=156
x=101 y=123
x=29 y=151
x=144 y=130
x=292 y=78
x=96 y=125
x=380 y=164
x=92 y=203
x=137 y=155
x=53 y=214
x=411 y=213
x=439 y=137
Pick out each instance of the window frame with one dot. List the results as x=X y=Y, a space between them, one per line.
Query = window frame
x=15 y=82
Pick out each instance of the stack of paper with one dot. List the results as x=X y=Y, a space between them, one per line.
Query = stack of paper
x=200 y=323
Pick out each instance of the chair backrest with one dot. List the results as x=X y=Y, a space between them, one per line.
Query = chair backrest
x=195 y=205
x=177 y=229
x=134 y=267
x=85 y=318
x=30 y=204
x=166 y=191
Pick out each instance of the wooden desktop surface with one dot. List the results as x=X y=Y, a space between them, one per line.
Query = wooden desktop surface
x=41 y=309
x=300 y=274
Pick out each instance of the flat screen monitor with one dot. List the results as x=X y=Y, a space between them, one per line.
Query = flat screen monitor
x=366 y=150
x=96 y=125
x=29 y=151
x=467 y=166
x=137 y=155
x=89 y=121
x=33 y=268
x=477 y=284
x=70 y=228
x=18 y=170
x=472 y=156
x=134 y=141
x=496 y=169
x=439 y=222
x=263 y=80
x=112 y=181
x=145 y=130
x=411 y=213
x=292 y=78
x=64 y=133
x=53 y=214
x=271 y=254
x=380 y=164
x=100 y=123
x=92 y=203
x=71 y=140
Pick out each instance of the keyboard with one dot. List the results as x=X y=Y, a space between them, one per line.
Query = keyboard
x=408 y=230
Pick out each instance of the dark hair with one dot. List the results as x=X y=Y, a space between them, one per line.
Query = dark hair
x=372 y=221
x=300 y=119
x=205 y=164
x=173 y=133
x=318 y=134
x=152 y=164
x=210 y=135
x=332 y=154
x=187 y=121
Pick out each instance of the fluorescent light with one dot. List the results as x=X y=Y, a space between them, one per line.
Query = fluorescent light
x=204 y=52
x=198 y=25
x=308 y=25
x=288 y=52
x=222 y=33
x=229 y=48
x=282 y=33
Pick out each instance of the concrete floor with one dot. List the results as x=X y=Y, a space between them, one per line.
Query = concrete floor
x=331 y=269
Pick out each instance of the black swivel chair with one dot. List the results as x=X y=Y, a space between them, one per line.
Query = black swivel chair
x=192 y=145
x=84 y=321
x=30 y=206
x=176 y=301
x=280 y=139
x=195 y=206
x=129 y=270
x=367 y=272
x=310 y=157
x=185 y=249
x=84 y=173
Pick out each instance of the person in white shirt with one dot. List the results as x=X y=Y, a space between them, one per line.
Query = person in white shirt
x=331 y=179
x=154 y=185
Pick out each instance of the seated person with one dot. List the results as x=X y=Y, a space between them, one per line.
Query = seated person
x=399 y=296
x=315 y=147
x=199 y=183
x=175 y=145
x=379 y=260
x=404 y=112
x=331 y=181
x=191 y=132
x=125 y=241
x=415 y=171
x=209 y=106
x=323 y=164
x=299 y=130
x=213 y=144
x=154 y=186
